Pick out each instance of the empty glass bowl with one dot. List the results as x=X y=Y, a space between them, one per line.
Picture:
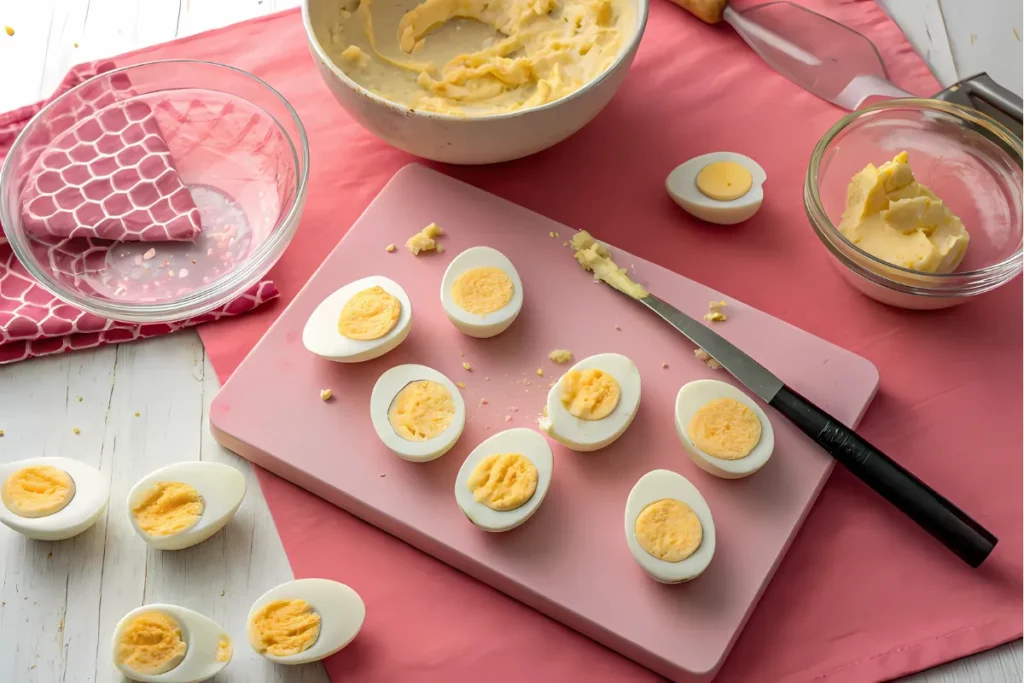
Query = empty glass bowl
x=968 y=159
x=156 y=192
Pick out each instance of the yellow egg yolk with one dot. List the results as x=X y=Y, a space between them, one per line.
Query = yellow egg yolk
x=37 y=491
x=669 y=530
x=560 y=356
x=424 y=239
x=151 y=644
x=724 y=181
x=284 y=627
x=167 y=508
x=224 y=649
x=592 y=255
x=725 y=428
x=482 y=290
x=503 y=481
x=370 y=314
x=589 y=394
x=421 y=410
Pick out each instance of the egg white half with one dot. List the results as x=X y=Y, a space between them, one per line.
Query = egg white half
x=525 y=442
x=92 y=492
x=691 y=398
x=472 y=324
x=221 y=487
x=201 y=635
x=321 y=336
x=341 y=613
x=681 y=185
x=383 y=395
x=652 y=487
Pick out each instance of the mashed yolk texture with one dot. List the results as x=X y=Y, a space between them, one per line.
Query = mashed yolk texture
x=590 y=394
x=482 y=290
x=224 y=649
x=421 y=410
x=725 y=428
x=560 y=356
x=151 y=644
x=37 y=491
x=284 y=627
x=669 y=530
x=724 y=181
x=370 y=314
x=592 y=255
x=503 y=481
x=168 y=507
x=424 y=239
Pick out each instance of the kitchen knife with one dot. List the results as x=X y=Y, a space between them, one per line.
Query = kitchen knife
x=936 y=515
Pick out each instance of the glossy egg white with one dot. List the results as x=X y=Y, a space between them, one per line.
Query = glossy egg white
x=341 y=613
x=220 y=486
x=681 y=185
x=202 y=637
x=92 y=492
x=383 y=395
x=321 y=336
x=525 y=442
x=691 y=398
x=590 y=435
x=658 y=485
x=472 y=324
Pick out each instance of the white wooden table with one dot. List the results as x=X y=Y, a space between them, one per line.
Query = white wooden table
x=59 y=602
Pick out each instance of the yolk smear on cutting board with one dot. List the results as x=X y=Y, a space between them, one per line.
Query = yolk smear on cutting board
x=725 y=428
x=503 y=481
x=38 y=491
x=167 y=508
x=370 y=314
x=284 y=627
x=592 y=255
x=482 y=290
x=421 y=410
x=669 y=530
x=590 y=394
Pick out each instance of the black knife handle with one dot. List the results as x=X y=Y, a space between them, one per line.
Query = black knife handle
x=949 y=524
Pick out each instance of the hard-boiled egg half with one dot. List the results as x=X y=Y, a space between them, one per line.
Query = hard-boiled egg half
x=51 y=499
x=169 y=644
x=481 y=292
x=417 y=412
x=724 y=432
x=504 y=480
x=669 y=528
x=722 y=187
x=363 y=320
x=593 y=403
x=305 y=620
x=183 y=504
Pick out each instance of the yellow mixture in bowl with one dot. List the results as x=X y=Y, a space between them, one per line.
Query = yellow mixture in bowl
x=476 y=57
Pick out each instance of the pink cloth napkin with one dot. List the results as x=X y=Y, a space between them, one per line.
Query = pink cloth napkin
x=110 y=178
x=862 y=594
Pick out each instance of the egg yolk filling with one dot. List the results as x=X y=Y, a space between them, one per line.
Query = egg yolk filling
x=284 y=627
x=724 y=181
x=370 y=314
x=421 y=410
x=590 y=394
x=167 y=508
x=151 y=644
x=482 y=290
x=224 y=649
x=503 y=481
x=37 y=491
x=669 y=530
x=725 y=428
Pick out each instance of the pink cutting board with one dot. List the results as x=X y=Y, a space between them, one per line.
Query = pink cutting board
x=570 y=561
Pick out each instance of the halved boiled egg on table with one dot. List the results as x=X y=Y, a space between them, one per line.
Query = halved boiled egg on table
x=504 y=480
x=169 y=644
x=51 y=499
x=305 y=620
x=481 y=292
x=417 y=412
x=592 y=404
x=363 y=320
x=669 y=528
x=183 y=504
x=723 y=431
x=722 y=187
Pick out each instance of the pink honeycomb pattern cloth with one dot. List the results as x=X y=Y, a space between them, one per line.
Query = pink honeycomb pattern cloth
x=34 y=323
x=103 y=170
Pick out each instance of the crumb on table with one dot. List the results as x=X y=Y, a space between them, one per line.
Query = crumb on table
x=390 y=248
x=9 y=30
x=424 y=239
x=460 y=385
x=560 y=356
x=467 y=367
x=715 y=317
x=325 y=394
x=76 y=430
x=540 y=372
x=705 y=357
x=664 y=365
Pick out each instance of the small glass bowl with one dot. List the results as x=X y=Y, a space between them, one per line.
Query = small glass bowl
x=966 y=158
x=238 y=148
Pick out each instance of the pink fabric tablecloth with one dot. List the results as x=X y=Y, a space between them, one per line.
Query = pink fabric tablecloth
x=863 y=594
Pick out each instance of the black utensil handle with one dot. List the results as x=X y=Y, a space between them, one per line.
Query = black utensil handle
x=936 y=515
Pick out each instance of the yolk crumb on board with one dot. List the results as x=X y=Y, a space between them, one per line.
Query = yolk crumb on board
x=390 y=248
x=9 y=30
x=326 y=394
x=560 y=356
x=467 y=367
x=424 y=239
x=460 y=385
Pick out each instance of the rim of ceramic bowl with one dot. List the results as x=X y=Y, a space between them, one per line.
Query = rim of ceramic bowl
x=944 y=285
x=643 y=9
x=203 y=299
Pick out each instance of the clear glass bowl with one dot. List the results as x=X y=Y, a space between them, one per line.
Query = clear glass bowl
x=90 y=193
x=968 y=159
